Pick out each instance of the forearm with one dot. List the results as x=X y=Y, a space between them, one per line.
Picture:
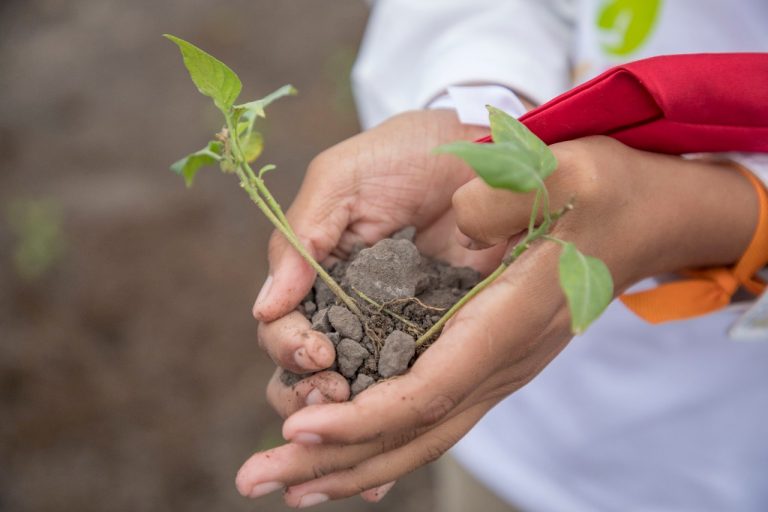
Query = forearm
x=704 y=213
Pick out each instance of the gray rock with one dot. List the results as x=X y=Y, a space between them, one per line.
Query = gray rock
x=334 y=337
x=396 y=353
x=324 y=296
x=407 y=233
x=345 y=323
x=362 y=382
x=350 y=355
x=458 y=277
x=310 y=307
x=368 y=344
x=388 y=270
x=320 y=321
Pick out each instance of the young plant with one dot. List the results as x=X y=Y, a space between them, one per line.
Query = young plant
x=517 y=160
x=238 y=145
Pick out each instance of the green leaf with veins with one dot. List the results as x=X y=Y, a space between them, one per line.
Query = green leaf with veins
x=212 y=77
x=190 y=164
x=501 y=164
x=517 y=159
x=587 y=284
x=505 y=128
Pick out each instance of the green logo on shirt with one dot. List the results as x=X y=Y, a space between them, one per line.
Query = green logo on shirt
x=626 y=24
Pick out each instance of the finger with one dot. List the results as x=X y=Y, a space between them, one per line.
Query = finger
x=487 y=216
x=293 y=345
x=318 y=388
x=497 y=330
x=318 y=216
x=377 y=494
x=433 y=241
x=381 y=470
x=295 y=463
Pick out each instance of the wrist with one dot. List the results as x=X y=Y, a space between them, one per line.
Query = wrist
x=704 y=212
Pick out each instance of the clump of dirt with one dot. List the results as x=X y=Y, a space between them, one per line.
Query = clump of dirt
x=401 y=293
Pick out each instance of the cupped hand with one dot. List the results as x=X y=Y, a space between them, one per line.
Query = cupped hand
x=357 y=193
x=641 y=213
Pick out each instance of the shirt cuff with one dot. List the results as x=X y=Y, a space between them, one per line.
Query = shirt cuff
x=469 y=102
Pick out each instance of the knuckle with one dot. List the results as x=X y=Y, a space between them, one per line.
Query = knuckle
x=432 y=452
x=466 y=217
x=438 y=445
x=319 y=471
x=390 y=443
x=436 y=410
x=580 y=169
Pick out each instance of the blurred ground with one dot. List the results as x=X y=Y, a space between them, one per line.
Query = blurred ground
x=130 y=379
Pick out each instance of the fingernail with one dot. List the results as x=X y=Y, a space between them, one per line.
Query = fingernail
x=463 y=239
x=301 y=358
x=265 y=488
x=314 y=498
x=263 y=294
x=315 y=397
x=378 y=493
x=306 y=438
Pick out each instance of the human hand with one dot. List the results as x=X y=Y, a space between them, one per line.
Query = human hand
x=358 y=192
x=641 y=213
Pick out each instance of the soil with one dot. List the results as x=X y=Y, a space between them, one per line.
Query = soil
x=401 y=292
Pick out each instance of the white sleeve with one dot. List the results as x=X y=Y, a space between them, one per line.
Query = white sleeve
x=414 y=49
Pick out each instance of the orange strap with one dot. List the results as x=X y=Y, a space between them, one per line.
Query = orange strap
x=708 y=290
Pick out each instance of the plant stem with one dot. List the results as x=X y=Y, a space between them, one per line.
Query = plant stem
x=260 y=195
x=533 y=235
x=381 y=308
x=435 y=329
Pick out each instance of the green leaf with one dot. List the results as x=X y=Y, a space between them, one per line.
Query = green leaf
x=251 y=142
x=190 y=164
x=587 y=284
x=501 y=165
x=252 y=145
x=505 y=128
x=212 y=77
x=254 y=109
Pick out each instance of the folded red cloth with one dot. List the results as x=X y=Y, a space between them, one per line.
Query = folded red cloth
x=673 y=104
x=695 y=103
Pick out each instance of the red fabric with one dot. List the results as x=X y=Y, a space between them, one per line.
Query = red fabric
x=671 y=104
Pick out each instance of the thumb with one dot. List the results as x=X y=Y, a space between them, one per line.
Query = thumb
x=289 y=280
x=486 y=216
x=319 y=216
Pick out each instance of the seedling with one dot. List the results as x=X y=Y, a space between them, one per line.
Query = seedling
x=517 y=160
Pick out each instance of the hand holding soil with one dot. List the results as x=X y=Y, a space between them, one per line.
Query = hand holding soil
x=355 y=194
x=629 y=211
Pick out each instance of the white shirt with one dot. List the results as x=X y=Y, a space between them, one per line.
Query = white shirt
x=630 y=417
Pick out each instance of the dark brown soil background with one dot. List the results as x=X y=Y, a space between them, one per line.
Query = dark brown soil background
x=130 y=378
